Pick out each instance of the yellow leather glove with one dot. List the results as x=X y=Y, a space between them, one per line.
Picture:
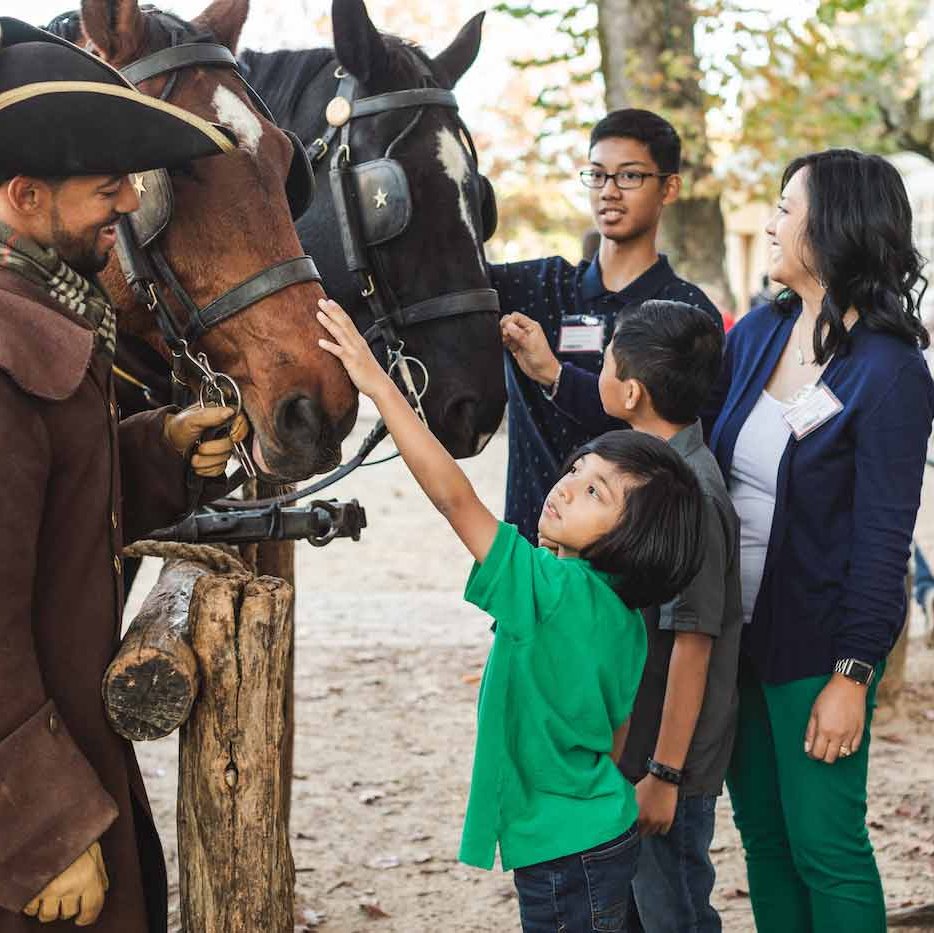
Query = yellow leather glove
x=76 y=894
x=183 y=431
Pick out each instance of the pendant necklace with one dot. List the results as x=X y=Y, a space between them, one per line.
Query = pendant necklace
x=799 y=353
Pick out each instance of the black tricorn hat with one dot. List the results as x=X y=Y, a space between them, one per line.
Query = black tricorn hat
x=65 y=112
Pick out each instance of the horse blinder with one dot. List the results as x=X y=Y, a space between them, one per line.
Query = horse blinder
x=300 y=184
x=489 y=215
x=384 y=200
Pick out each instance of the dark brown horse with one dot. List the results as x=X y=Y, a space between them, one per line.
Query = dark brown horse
x=231 y=220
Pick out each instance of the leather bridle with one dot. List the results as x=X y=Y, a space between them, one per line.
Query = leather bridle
x=390 y=316
x=146 y=268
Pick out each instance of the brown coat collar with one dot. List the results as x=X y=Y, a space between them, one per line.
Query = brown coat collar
x=44 y=348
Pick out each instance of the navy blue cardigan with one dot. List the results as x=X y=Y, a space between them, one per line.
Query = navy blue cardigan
x=847 y=498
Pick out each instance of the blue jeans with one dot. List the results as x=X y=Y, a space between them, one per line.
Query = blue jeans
x=580 y=893
x=675 y=876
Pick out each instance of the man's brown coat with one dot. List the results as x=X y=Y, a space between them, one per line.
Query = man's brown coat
x=66 y=779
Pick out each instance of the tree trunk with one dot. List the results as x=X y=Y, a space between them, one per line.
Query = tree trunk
x=648 y=61
x=236 y=870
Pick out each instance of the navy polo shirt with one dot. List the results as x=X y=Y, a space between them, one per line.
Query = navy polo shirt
x=542 y=433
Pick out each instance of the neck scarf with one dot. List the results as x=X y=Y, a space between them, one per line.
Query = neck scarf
x=46 y=269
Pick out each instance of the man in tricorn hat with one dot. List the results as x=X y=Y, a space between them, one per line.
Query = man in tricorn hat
x=77 y=840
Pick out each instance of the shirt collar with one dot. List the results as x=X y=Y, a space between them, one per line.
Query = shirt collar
x=688 y=439
x=645 y=286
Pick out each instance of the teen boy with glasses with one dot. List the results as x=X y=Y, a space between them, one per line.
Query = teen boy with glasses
x=559 y=317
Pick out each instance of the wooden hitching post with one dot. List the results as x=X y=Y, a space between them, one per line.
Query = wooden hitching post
x=236 y=871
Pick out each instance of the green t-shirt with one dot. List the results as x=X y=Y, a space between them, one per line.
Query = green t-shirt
x=561 y=677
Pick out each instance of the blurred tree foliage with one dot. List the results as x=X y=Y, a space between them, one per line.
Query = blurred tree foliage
x=768 y=85
x=647 y=59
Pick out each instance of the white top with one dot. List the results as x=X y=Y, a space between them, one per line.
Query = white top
x=753 y=478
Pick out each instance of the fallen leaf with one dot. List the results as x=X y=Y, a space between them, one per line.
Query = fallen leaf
x=420 y=858
x=472 y=678
x=372 y=910
x=343 y=883
x=735 y=894
x=892 y=738
x=371 y=796
x=382 y=862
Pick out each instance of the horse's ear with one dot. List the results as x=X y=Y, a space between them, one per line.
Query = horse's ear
x=359 y=46
x=454 y=61
x=116 y=27
x=224 y=19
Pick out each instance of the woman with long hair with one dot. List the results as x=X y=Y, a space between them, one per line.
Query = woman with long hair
x=820 y=424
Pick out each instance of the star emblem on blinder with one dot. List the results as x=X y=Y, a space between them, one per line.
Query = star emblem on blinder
x=380 y=198
x=139 y=185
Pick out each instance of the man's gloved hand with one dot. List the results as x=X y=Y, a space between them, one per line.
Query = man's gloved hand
x=76 y=894
x=184 y=430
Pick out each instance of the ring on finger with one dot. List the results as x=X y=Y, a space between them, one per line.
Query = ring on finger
x=845 y=751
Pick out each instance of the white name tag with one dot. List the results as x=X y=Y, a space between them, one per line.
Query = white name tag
x=818 y=408
x=582 y=335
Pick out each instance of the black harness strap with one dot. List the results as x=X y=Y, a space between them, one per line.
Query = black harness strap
x=451 y=304
x=253 y=290
x=403 y=100
x=187 y=55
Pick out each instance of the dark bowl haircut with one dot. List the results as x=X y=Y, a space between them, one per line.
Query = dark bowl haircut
x=656 y=133
x=655 y=549
x=675 y=350
x=859 y=235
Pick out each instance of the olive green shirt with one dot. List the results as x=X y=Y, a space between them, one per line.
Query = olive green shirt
x=561 y=677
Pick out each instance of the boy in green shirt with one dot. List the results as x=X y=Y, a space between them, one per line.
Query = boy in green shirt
x=568 y=649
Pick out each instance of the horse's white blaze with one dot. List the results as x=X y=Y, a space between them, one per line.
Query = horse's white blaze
x=453 y=160
x=237 y=116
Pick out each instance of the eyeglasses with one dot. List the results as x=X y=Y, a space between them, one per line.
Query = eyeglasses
x=625 y=180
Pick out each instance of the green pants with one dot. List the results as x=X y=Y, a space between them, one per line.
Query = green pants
x=803 y=823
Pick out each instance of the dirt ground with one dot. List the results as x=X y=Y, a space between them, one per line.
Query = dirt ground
x=386 y=653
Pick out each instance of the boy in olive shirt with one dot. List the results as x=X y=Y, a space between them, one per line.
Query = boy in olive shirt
x=567 y=653
x=658 y=370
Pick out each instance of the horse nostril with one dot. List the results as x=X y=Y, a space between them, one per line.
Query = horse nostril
x=299 y=422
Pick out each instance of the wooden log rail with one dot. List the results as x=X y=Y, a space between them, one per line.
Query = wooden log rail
x=152 y=682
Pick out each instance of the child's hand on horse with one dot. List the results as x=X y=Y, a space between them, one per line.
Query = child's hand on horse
x=76 y=894
x=351 y=349
x=526 y=341
x=185 y=430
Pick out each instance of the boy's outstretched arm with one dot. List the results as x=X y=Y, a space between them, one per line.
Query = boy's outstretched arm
x=435 y=470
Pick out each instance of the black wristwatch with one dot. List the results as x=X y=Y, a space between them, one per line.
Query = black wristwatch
x=663 y=772
x=859 y=671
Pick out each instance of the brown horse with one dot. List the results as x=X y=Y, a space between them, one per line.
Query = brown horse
x=231 y=220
